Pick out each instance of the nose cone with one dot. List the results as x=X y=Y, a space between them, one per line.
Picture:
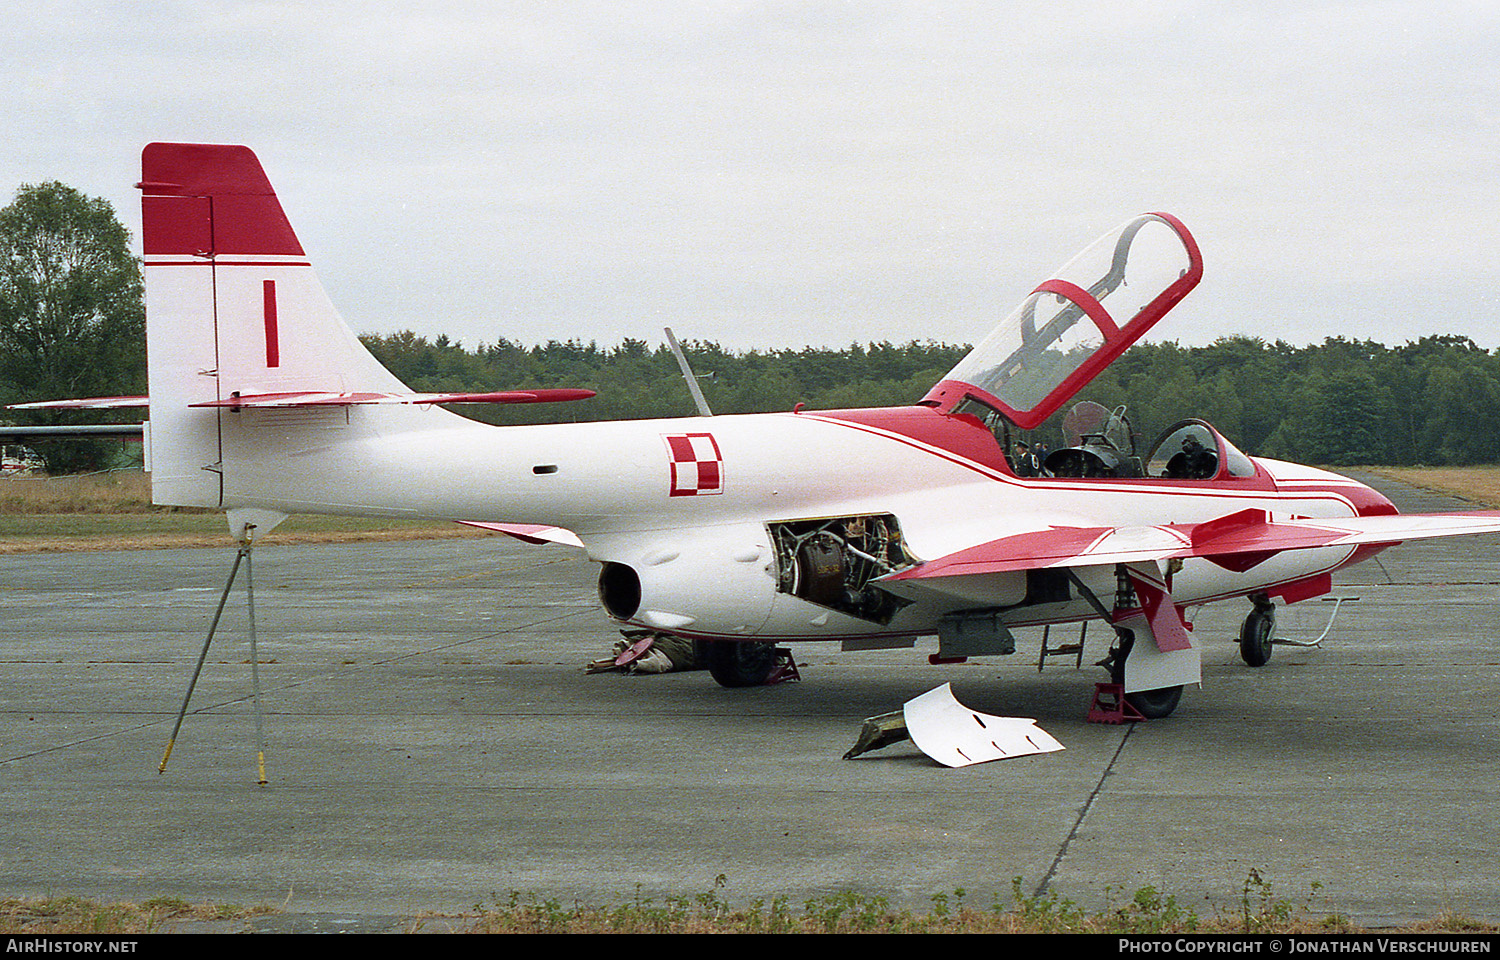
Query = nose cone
x=1292 y=477
x=1372 y=503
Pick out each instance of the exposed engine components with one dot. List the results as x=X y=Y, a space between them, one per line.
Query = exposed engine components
x=831 y=562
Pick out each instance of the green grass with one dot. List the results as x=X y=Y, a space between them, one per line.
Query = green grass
x=1479 y=485
x=77 y=915
x=1146 y=911
x=113 y=511
x=1259 y=910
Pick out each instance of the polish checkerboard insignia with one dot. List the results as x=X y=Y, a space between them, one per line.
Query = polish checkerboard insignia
x=697 y=465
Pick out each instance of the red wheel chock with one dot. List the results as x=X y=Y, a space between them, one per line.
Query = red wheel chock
x=1110 y=705
x=785 y=668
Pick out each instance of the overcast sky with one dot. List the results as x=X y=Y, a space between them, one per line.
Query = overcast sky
x=780 y=174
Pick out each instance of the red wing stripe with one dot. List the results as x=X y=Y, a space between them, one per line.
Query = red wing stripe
x=1097 y=542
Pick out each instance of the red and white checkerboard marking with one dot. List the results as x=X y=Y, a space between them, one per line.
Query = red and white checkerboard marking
x=697 y=465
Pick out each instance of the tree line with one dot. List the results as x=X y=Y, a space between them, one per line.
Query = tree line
x=1434 y=401
x=71 y=325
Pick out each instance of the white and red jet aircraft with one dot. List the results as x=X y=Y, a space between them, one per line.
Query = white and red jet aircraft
x=864 y=526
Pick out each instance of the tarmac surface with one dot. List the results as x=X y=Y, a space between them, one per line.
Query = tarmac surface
x=432 y=744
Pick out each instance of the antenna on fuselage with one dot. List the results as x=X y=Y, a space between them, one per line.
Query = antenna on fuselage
x=687 y=374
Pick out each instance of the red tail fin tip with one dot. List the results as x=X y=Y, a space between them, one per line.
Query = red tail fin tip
x=210 y=200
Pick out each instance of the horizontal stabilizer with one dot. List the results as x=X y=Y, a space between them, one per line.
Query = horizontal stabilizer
x=1236 y=541
x=329 y=399
x=12 y=433
x=85 y=403
x=323 y=399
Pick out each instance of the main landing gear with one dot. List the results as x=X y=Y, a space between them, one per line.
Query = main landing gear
x=1150 y=704
x=735 y=663
x=1153 y=704
x=1257 y=630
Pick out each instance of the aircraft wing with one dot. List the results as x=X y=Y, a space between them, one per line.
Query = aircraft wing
x=314 y=398
x=1238 y=541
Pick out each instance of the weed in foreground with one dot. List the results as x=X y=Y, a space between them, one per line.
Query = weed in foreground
x=1145 y=911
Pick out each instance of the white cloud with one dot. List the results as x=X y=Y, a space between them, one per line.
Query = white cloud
x=767 y=174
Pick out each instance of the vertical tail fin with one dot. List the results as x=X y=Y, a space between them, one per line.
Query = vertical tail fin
x=232 y=306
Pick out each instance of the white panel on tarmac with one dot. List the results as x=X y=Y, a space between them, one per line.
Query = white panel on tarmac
x=955 y=736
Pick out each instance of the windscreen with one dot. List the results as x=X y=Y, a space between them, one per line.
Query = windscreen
x=1074 y=324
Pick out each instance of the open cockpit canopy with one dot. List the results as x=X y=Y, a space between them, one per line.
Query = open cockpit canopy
x=1075 y=324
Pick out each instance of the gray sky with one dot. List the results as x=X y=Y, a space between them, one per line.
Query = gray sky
x=778 y=174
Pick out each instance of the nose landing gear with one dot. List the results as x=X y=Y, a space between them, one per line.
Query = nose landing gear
x=1257 y=630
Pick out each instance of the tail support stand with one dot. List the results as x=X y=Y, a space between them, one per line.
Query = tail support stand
x=246 y=532
x=260 y=723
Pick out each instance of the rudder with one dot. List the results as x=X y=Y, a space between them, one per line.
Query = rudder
x=232 y=307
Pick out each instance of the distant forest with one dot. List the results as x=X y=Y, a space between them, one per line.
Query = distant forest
x=1342 y=402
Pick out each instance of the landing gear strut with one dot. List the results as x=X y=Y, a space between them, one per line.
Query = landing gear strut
x=1150 y=704
x=1256 y=631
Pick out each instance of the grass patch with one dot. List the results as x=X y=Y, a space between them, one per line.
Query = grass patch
x=1479 y=485
x=69 y=532
x=113 y=511
x=114 y=492
x=1146 y=911
x=76 y=915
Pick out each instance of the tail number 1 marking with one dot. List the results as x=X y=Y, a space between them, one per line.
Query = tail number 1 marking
x=273 y=335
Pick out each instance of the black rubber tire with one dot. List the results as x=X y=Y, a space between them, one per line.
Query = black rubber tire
x=1255 y=637
x=735 y=664
x=1151 y=704
x=1155 y=704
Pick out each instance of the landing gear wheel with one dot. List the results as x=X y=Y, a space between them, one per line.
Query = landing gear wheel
x=738 y=664
x=1255 y=635
x=1155 y=704
x=1150 y=704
